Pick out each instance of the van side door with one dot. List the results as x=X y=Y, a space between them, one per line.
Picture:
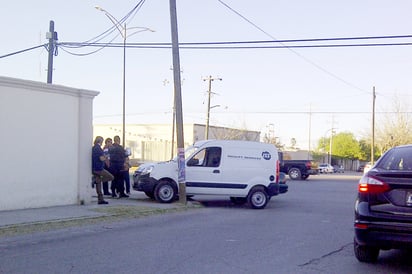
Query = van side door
x=203 y=171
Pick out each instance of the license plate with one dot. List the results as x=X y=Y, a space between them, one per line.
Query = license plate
x=409 y=198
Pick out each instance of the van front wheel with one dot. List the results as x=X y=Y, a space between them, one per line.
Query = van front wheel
x=165 y=192
x=257 y=198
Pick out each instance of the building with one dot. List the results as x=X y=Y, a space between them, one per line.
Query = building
x=154 y=142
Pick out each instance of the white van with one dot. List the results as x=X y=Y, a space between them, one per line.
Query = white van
x=245 y=171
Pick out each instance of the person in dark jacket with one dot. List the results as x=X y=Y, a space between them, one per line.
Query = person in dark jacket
x=101 y=175
x=107 y=144
x=117 y=161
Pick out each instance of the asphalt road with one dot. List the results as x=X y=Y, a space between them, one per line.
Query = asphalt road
x=307 y=230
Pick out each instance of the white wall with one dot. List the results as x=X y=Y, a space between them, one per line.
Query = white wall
x=46 y=138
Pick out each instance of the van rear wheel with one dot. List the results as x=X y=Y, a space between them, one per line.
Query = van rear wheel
x=165 y=192
x=257 y=197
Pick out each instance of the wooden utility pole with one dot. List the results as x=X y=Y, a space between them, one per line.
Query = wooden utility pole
x=209 y=92
x=178 y=103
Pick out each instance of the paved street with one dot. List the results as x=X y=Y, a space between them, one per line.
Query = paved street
x=307 y=230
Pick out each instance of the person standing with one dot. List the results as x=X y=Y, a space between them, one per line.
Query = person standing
x=117 y=161
x=107 y=144
x=98 y=170
x=126 y=174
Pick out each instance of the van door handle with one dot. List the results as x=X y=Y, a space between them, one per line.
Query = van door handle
x=216 y=171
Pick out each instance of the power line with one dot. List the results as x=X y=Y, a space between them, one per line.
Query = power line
x=221 y=45
x=295 y=52
x=113 y=28
x=23 y=50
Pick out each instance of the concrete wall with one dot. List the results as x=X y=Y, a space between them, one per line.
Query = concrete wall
x=46 y=140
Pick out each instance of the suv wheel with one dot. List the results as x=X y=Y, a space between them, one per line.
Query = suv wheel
x=257 y=198
x=366 y=254
x=294 y=173
x=165 y=192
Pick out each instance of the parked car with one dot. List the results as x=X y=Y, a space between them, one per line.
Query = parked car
x=361 y=168
x=367 y=167
x=325 y=168
x=383 y=208
x=338 y=169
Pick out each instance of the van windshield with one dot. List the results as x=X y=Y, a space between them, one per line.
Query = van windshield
x=189 y=151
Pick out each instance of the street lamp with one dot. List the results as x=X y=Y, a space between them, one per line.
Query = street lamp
x=122 y=30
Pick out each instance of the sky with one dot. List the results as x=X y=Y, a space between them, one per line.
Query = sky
x=300 y=93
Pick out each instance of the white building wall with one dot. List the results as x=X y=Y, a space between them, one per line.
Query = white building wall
x=153 y=142
x=147 y=142
x=46 y=137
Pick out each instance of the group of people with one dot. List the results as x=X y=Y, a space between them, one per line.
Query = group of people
x=110 y=164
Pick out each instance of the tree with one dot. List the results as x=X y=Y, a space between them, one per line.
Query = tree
x=344 y=145
x=274 y=141
x=395 y=129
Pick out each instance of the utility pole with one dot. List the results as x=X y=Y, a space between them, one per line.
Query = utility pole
x=310 y=128
x=52 y=36
x=373 y=126
x=174 y=120
x=209 y=91
x=124 y=88
x=178 y=103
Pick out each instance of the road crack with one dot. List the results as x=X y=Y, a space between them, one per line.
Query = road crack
x=316 y=260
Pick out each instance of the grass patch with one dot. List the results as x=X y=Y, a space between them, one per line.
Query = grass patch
x=111 y=214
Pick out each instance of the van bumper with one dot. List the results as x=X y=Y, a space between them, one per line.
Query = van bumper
x=144 y=183
x=283 y=188
x=273 y=189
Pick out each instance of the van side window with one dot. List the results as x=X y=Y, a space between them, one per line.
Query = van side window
x=198 y=159
x=213 y=156
x=208 y=157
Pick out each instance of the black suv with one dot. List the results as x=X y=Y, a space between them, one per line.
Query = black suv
x=383 y=209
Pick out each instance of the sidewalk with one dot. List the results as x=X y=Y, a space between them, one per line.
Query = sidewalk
x=13 y=218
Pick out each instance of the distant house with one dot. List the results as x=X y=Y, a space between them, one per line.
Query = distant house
x=154 y=142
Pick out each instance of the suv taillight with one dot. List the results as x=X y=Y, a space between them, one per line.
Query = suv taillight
x=368 y=184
